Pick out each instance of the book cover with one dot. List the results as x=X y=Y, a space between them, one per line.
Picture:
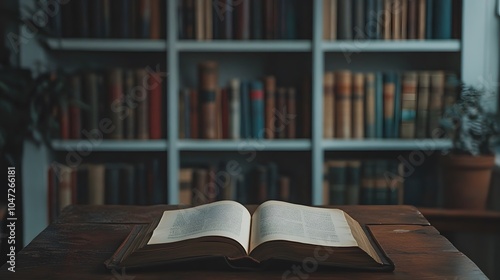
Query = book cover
x=182 y=114
x=112 y=188
x=379 y=105
x=107 y=25
x=343 y=104
x=208 y=20
x=270 y=95
x=291 y=125
x=422 y=104
x=157 y=21
x=188 y=17
x=422 y=19
x=246 y=123
x=442 y=19
x=96 y=16
x=142 y=110
x=338 y=181
x=225 y=113
x=193 y=115
x=81 y=13
x=234 y=109
x=435 y=102
x=155 y=106
x=409 y=105
x=397 y=105
x=145 y=10
x=413 y=19
x=256 y=19
x=387 y=19
x=269 y=19
x=404 y=19
x=359 y=32
x=185 y=182
x=389 y=92
x=369 y=110
x=242 y=20
x=75 y=113
x=226 y=15
x=115 y=84
x=429 y=19
x=281 y=123
x=358 y=95
x=305 y=99
x=328 y=105
x=97 y=184
x=257 y=105
x=345 y=11
x=199 y=19
x=207 y=72
x=129 y=114
x=395 y=11
x=327 y=18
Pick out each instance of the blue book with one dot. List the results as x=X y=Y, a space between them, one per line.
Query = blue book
x=159 y=196
x=257 y=104
x=371 y=26
x=291 y=19
x=441 y=22
x=337 y=180
x=228 y=20
x=428 y=19
x=245 y=111
x=379 y=105
x=112 y=189
x=381 y=190
x=256 y=26
x=367 y=183
x=397 y=106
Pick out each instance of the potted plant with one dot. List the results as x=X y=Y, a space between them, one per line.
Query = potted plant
x=467 y=168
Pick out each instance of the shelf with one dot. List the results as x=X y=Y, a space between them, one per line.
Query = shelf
x=245 y=46
x=392 y=46
x=110 y=145
x=244 y=145
x=386 y=144
x=124 y=45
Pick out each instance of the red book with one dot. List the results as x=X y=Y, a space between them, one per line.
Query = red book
x=155 y=106
x=193 y=113
x=225 y=114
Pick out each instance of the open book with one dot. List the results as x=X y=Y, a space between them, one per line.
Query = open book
x=276 y=231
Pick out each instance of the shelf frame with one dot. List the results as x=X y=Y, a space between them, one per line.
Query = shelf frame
x=110 y=145
x=392 y=46
x=112 y=45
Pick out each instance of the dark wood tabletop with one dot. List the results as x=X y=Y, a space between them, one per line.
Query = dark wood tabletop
x=78 y=243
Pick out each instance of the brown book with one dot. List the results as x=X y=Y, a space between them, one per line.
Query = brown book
x=182 y=113
x=96 y=184
x=156 y=11
x=208 y=20
x=408 y=105
x=422 y=104
x=188 y=16
x=387 y=17
x=435 y=103
x=218 y=112
x=129 y=120
x=142 y=125
x=116 y=102
x=306 y=108
x=404 y=19
x=326 y=19
x=224 y=96
x=193 y=114
x=207 y=73
x=281 y=107
x=291 y=108
x=421 y=21
x=326 y=185
x=370 y=105
x=396 y=19
x=200 y=186
x=65 y=187
x=270 y=94
x=333 y=19
x=75 y=113
x=269 y=19
x=232 y=233
x=343 y=108
x=358 y=96
x=413 y=19
x=155 y=108
x=199 y=19
x=284 y=187
x=211 y=185
x=328 y=105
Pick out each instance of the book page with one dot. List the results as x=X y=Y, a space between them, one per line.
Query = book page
x=224 y=218
x=276 y=220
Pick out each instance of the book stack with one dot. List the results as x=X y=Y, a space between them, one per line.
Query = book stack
x=244 y=19
x=200 y=185
x=404 y=105
x=353 y=182
x=107 y=19
x=255 y=109
x=116 y=104
x=105 y=183
x=391 y=19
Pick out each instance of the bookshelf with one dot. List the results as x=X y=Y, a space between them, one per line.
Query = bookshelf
x=175 y=54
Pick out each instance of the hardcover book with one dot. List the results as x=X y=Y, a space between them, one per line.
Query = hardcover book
x=275 y=231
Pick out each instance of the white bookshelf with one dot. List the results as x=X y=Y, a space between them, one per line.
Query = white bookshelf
x=244 y=46
x=392 y=46
x=387 y=145
x=110 y=145
x=244 y=145
x=107 y=45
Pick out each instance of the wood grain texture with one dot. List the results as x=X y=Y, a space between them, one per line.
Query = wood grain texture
x=85 y=236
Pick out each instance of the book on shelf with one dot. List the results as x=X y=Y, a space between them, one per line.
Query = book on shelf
x=126 y=19
x=251 y=240
x=244 y=20
x=395 y=105
x=391 y=19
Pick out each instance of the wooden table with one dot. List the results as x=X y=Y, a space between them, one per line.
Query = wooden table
x=83 y=237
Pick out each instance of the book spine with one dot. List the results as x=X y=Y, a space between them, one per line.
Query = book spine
x=353 y=174
x=337 y=181
x=281 y=19
x=290 y=19
x=328 y=105
x=116 y=102
x=155 y=106
x=422 y=18
x=92 y=99
x=257 y=19
x=281 y=106
x=409 y=105
x=422 y=104
x=327 y=15
x=189 y=19
x=343 y=105
x=234 y=109
x=379 y=105
x=370 y=113
x=112 y=191
x=270 y=95
x=389 y=91
x=396 y=19
x=185 y=181
x=217 y=22
x=141 y=183
x=96 y=184
x=334 y=25
x=225 y=113
x=394 y=188
x=208 y=23
x=107 y=20
x=125 y=11
x=127 y=183
x=142 y=95
x=96 y=21
x=387 y=19
x=82 y=17
x=272 y=176
x=435 y=102
x=358 y=94
x=284 y=185
x=261 y=183
x=413 y=19
x=367 y=183
x=359 y=20
x=397 y=106
x=404 y=19
x=145 y=12
x=129 y=120
x=75 y=114
x=429 y=19
x=344 y=31
x=199 y=20
x=193 y=114
x=207 y=92
x=65 y=189
x=182 y=112
x=245 y=111
x=292 y=112
x=306 y=108
x=380 y=188
x=442 y=19
x=269 y=19
x=158 y=187
x=257 y=105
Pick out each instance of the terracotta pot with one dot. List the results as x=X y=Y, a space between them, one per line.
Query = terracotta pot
x=466 y=181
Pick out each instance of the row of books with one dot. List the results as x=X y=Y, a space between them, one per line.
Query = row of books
x=390 y=19
x=107 y=183
x=113 y=104
x=404 y=105
x=353 y=182
x=200 y=185
x=256 y=109
x=244 y=19
x=106 y=18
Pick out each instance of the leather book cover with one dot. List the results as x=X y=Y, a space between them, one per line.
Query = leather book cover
x=257 y=106
x=142 y=127
x=369 y=110
x=270 y=94
x=207 y=73
x=409 y=105
x=421 y=21
x=358 y=96
x=343 y=109
x=155 y=106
